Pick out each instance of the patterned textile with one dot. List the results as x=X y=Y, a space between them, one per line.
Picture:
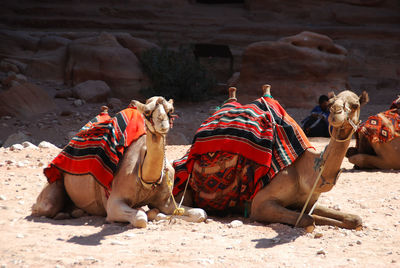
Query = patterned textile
x=245 y=131
x=395 y=103
x=98 y=146
x=382 y=127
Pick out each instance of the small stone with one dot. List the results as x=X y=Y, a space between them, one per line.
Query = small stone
x=78 y=103
x=2 y=197
x=20 y=236
x=46 y=145
x=29 y=145
x=16 y=147
x=118 y=243
x=358 y=242
x=235 y=224
x=321 y=252
x=318 y=235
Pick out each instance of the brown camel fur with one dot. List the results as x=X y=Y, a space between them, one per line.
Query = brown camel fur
x=284 y=197
x=144 y=177
x=375 y=155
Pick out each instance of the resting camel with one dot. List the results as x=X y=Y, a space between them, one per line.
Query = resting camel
x=284 y=197
x=378 y=141
x=144 y=177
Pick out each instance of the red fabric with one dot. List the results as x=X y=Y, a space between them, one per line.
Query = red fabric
x=382 y=127
x=97 y=148
x=229 y=186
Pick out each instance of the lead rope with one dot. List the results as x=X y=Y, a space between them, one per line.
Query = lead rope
x=178 y=211
x=319 y=164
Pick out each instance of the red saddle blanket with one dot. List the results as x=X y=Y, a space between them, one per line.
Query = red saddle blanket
x=97 y=148
x=261 y=137
x=382 y=127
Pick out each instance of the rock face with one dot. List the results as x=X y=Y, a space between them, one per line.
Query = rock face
x=298 y=68
x=76 y=58
x=368 y=29
x=103 y=58
x=25 y=100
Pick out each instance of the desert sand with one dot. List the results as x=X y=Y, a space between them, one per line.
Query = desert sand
x=90 y=241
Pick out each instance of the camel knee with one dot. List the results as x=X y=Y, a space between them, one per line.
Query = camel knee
x=351 y=151
x=50 y=201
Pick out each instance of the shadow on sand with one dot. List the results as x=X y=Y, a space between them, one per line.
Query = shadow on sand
x=94 y=221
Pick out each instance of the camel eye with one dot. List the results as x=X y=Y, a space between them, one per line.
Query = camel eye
x=354 y=106
x=147 y=112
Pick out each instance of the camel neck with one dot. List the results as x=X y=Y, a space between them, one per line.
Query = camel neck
x=153 y=162
x=333 y=157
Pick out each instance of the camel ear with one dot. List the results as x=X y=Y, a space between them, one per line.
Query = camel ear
x=160 y=100
x=142 y=108
x=331 y=94
x=364 y=98
x=171 y=101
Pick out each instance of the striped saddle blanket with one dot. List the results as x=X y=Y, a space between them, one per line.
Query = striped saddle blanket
x=263 y=138
x=97 y=148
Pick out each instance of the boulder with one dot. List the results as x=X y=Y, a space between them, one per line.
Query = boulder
x=25 y=100
x=136 y=45
x=16 y=138
x=103 y=58
x=49 y=61
x=92 y=91
x=303 y=66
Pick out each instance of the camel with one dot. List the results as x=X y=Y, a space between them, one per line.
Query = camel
x=298 y=185
x=376 y=154
x=144 y=177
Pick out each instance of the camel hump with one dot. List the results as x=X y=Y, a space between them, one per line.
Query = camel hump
x=266 y=89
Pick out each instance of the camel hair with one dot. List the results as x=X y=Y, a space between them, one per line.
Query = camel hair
x=285 y=196
x=144 y=177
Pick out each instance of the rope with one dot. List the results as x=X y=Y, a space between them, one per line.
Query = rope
x=319 y=163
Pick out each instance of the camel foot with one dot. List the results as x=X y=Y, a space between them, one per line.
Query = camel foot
x=352 y=222
x=309 y=229
x=161 y=216
x=62 y=216
x=152 y=214
x=77 y=213
x=139 y=220
x=306 y=221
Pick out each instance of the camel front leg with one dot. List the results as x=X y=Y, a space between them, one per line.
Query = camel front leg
x=270 y=211
x=118 y=210
x=326 y=216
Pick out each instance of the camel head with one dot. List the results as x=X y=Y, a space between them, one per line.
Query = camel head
x=158 y=114
x=345 y=109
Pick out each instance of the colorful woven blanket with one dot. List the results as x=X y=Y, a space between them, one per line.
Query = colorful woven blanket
x=260 y=133
x=382 y=127
x=97 y=148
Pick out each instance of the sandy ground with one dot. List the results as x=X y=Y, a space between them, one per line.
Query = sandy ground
x=89 y=241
